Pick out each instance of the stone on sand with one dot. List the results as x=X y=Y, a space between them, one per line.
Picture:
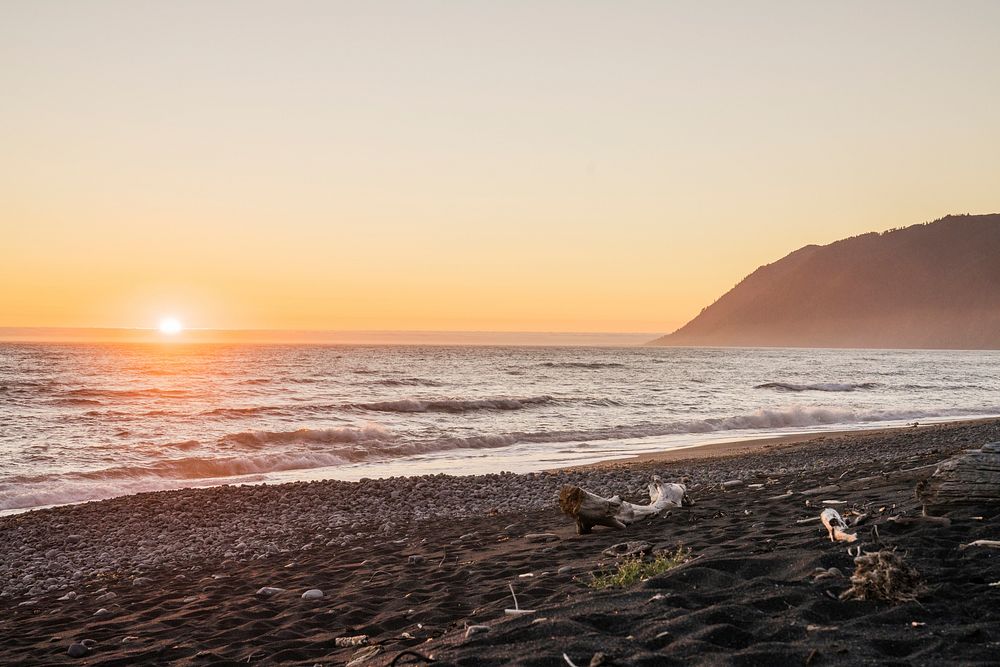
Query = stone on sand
x=77 y=650
x=312 y=594
x=541 y=537
x=268 y=591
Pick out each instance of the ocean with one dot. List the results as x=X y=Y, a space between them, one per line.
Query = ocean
x=84 y=422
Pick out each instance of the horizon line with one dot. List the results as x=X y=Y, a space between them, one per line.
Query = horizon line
x=325 y=336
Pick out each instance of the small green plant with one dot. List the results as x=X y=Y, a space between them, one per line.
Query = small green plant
x=631 y=570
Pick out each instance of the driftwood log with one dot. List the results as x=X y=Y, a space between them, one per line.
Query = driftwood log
x=836 y=527
x=971 y=478
x=589 y=509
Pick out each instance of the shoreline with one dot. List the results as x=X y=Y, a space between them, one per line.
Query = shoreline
x=176 y=577
x=765 y=443
x=697 y=451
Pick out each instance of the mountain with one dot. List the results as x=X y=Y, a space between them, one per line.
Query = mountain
x=935 y=285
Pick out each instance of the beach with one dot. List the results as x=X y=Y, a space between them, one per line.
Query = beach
x=217 y=575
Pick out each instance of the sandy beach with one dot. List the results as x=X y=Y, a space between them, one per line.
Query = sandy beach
x=217 y=575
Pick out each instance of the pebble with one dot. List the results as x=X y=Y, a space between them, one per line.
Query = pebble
x=268 y=591
x=356 y=640
x=77 y=650
x=71 y=595
x=541 y=537
x=312 y=594
x=102 y=612
x=415 y=560
x=732 y=484
x=142 y=581
x=110 y=595
x=565 y=569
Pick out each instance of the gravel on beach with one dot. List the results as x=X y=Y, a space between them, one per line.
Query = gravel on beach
x=130 y=566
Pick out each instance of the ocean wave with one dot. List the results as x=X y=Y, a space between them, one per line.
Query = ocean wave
x=73 y=402
x=407 y=382
x=454 y=405
x=202 y=467
x=164 y=474
x=948 y=387
x=262 y=452
x=317 y=436
x=118 y=414
x=819 y=386
x=592 y=365
x=240 y=413
x=65 y=491
x=150 y=392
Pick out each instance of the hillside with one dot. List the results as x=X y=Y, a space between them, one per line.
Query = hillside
x=935 y=285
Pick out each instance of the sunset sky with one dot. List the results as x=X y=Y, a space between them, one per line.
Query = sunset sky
x=508 y=166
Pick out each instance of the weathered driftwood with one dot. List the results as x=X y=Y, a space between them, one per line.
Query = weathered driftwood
x=836 y=527
x=990 y=544
x=968 y=479
x=589 y=509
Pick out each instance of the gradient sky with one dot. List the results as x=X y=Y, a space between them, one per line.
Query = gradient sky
x=563 y=166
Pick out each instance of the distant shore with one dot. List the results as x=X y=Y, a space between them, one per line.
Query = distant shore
x=181 y=576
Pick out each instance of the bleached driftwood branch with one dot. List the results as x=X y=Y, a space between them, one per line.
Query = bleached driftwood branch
x=990 y=544
x=836 y=526
x=589 y=509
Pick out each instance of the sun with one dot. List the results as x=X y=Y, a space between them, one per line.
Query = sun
x=171 y=326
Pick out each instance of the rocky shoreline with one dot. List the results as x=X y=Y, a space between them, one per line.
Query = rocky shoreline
x=115 y=554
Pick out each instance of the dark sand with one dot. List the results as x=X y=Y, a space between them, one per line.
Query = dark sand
x=750 y=598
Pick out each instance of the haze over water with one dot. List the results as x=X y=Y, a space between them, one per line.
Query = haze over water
x=83 y=422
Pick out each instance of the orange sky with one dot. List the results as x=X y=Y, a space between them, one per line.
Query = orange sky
x=552 y=166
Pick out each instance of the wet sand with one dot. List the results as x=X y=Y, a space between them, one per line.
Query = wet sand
x=412 y=562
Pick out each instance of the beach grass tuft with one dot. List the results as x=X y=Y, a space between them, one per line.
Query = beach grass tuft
x=631 y=570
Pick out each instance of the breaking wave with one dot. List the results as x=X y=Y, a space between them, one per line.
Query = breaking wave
x=257 y=453
x=819 y=386
x=369 y=433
